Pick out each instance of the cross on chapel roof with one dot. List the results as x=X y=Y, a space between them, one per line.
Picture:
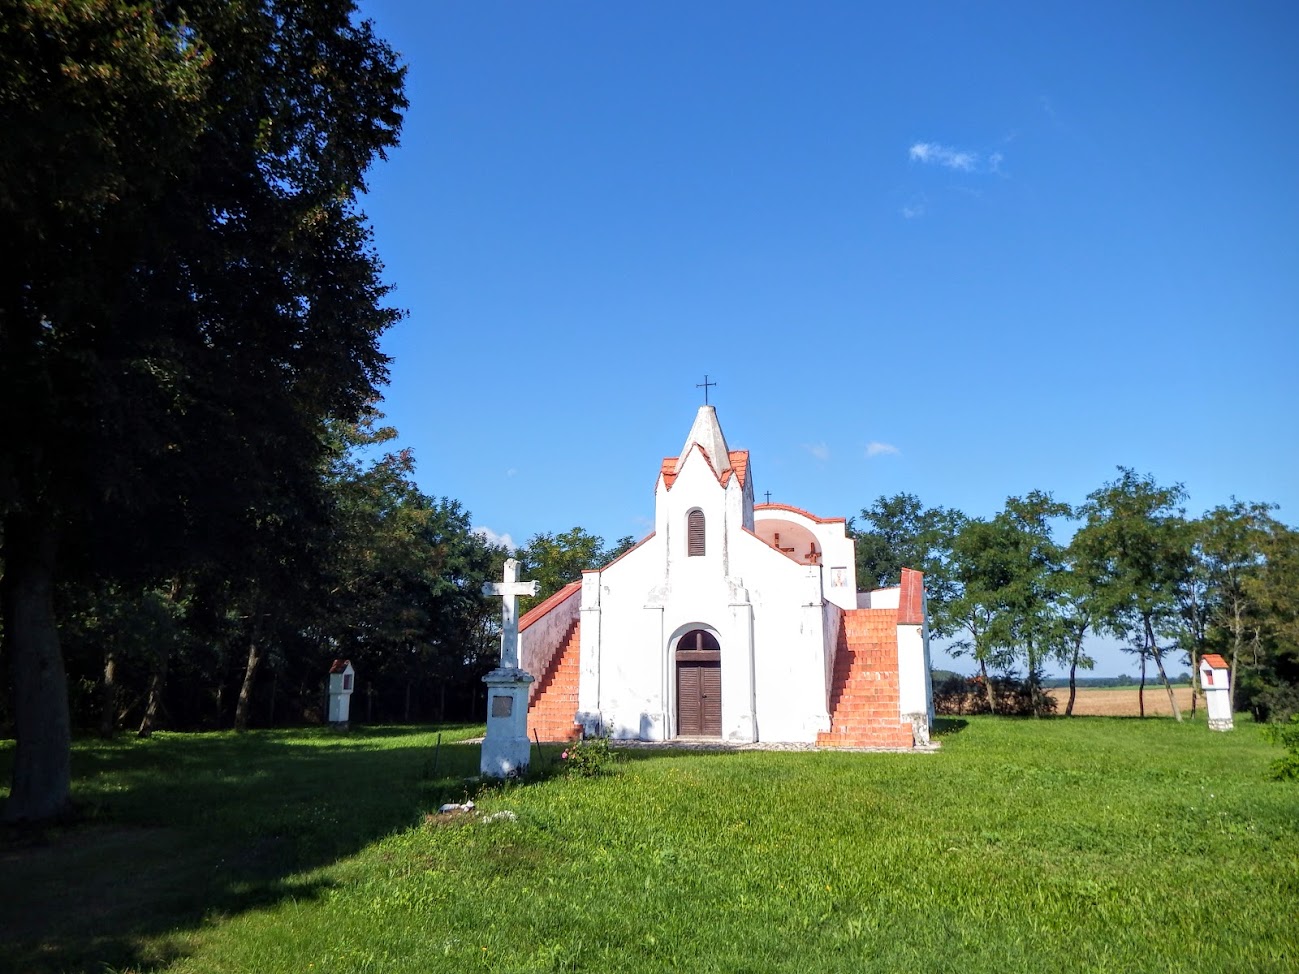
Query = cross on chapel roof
x=704 y=385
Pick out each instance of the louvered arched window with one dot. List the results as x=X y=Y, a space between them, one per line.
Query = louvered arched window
x=695 y=533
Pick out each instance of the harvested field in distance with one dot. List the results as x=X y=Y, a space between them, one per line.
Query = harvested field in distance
x=1122 y=701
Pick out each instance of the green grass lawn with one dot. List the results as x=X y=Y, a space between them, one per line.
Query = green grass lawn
x=1092 y=844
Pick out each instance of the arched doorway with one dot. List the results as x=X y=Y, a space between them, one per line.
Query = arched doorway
x=699 y=685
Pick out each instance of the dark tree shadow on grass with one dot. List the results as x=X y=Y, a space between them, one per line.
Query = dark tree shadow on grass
x=947 y=726
x=180 y=827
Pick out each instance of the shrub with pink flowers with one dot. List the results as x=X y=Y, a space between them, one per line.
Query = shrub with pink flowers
x=586 y=758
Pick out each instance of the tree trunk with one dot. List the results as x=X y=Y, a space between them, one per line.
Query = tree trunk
x=244 y=704
x=1141 y=691
x=1073 y=683
x=1034 y=691
x=987 y=686
x=42 y=772
x=406 y=711
x=1159 y=665
x=1237 y=637
x=1195 y=679
x=158 y=678
x=1231 y=684
x=157 y=686
x=108 y=696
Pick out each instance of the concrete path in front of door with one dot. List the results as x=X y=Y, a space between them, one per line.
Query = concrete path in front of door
x=713 y=744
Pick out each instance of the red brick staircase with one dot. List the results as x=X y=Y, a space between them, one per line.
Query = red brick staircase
x=864 y=691
x=553 y=704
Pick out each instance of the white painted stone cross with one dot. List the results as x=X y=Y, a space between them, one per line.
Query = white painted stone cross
x=509 y=589
x=506 y=745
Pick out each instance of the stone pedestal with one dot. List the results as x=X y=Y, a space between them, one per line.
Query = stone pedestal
x=506 y=747
x=1219 y=706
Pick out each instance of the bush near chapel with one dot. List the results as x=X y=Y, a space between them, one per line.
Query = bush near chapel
x=961 y=696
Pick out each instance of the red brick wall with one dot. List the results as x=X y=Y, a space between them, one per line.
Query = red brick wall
x=553 y=704
x=864 y=693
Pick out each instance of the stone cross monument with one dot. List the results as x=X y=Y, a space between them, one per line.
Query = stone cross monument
x=506 y=746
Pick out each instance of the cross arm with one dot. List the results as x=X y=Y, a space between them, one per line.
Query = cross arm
x=512 y=588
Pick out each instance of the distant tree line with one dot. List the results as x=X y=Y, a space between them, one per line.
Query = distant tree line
x=379 y=573
x=1027 y=586
x=940 y=675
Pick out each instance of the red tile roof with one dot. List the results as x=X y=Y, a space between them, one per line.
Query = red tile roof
x=739 y=466
x=668 y=471
x=339 y=665
x=538 y=612
x=911 y=600
x=798 y=510
x=1216 y=661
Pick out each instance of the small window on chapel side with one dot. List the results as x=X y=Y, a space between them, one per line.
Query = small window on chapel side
x=695 y=533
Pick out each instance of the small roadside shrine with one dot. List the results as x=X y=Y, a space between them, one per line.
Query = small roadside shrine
x=1215 y=678
x=342 y=679
x=506 y=746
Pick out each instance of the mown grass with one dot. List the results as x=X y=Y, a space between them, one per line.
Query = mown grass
x=1090 y=844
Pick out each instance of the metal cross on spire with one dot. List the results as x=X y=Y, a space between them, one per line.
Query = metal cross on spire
x=768 y=497
x=704 y=385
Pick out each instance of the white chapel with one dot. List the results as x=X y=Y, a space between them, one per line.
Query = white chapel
x=732 y=621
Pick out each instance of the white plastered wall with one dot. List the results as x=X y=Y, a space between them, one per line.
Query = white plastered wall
x=915 y=691
x=766 y=611
x=838 y=552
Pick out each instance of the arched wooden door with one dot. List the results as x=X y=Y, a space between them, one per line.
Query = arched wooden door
x=699 y=685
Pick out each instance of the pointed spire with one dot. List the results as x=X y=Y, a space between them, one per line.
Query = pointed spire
x=707 y=432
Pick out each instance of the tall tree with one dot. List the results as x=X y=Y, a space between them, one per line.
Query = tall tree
x=187 y=288
x=1079 y=613
x=1273 y=670
x=900 y=532
x=1231 y=541
x=554 y=560
x=1133 y=542
x=1030 y=599
x=1195 y=603
x=979 y=570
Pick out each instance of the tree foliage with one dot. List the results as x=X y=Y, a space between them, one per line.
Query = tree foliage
x=1271 y=667
x=1134 y=544
x=1007 y=603
x=900 y=532
x=187 y=289
x=555 y=560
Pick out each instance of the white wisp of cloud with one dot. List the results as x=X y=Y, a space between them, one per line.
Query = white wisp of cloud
x=492 y=538
x=819 y=450
x=877 y=449
x=942 y=155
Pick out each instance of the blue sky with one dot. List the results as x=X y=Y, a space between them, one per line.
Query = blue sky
x=961 y=250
